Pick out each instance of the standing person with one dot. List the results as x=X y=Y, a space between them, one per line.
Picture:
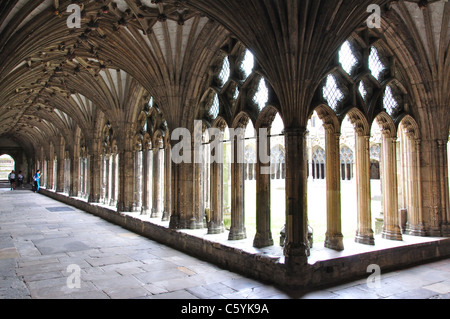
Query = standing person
x=36 y=178
x=12 y=179
x=20 y=179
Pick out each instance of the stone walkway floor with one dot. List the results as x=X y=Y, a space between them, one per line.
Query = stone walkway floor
x=54 y=251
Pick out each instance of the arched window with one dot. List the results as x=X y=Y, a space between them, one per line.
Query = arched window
x=248 y=63
x=347 y=58
x=331 y=92
x=318 y=166
x=250 y=162
x=6 y=166
x=262 y=95
x=375 y=151
x=389 y=101
x=375 y=65
x=214 y=109
x=362 y=90
x=224 y=74
x=347 y=160
x=277 y=161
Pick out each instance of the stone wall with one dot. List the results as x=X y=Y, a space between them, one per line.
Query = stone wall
x=264 y=268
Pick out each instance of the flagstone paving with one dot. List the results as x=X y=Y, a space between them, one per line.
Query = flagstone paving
x=54 y=251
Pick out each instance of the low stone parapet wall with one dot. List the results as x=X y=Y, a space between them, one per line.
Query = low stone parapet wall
x=267 y=268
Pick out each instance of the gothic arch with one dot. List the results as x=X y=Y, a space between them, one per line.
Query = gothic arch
x=359 y=121
x=266 y=117
x=386 y=124
x=241 y=120
x=328 y=117
x=410 y=125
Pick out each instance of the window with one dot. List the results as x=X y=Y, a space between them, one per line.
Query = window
x=375 y=65
x=262 y=95
x=248 y=63
x=362 y=90
x=277 y=162
x=224 y=74
x=375 y=151
x=318 y=164
x=347 y=159
x=214 y=110
x=390 y=103
x=250 y=162
x=236 y=94
x=331 y=92
x=347 y=58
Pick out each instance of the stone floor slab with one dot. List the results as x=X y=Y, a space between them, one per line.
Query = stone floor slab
x=37 y=246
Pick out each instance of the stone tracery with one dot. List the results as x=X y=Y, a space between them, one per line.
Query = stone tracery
x=92 y=86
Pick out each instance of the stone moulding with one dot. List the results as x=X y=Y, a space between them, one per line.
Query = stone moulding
x=266 y=268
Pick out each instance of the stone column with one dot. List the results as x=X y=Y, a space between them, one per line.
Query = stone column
x=126 y=181
x=157 y=198
x=364 y=232
x=167 y=184
x=414 y=225
x=237 y=229
x=82 y=177
x=94 y=172
x=215 y=224
x=74 y=175
x=391 y=227
x=296 y=248
x=137 y=177
x=87 y=179
x=106 y=199
x=199 y=201
x=175 y=217
x=50 y=164
x=444 y=192
x=113 y=199
x=263 y=236
x=146 y=189
x=60 y=172
x=102 y=178
x=431 y=188
x=333 y=236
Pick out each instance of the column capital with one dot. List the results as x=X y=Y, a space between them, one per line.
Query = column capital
x=296 y=131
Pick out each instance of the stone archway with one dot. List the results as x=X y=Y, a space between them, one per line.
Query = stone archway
x=7 y=164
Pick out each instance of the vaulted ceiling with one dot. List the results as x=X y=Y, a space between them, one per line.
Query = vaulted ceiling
x=55 y=80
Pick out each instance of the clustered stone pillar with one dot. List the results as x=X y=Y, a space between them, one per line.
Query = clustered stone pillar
x=103 y=177
x=114 y=186
x=215 y=223
x=364 y=232
x=237 y=228
x=60 y=168
x=94 y=177
x=167 y=183
x=444 y=191
x=391 y=227
x=197 y=221
x=146 y=189
x=75 y=174
x=137 y=204
x=296 y=247
x=107 y=178
x=263 y=237
x=333 y=236
x=49 y=172
x=414 y=225
x=126 y=180
x=157 y=194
